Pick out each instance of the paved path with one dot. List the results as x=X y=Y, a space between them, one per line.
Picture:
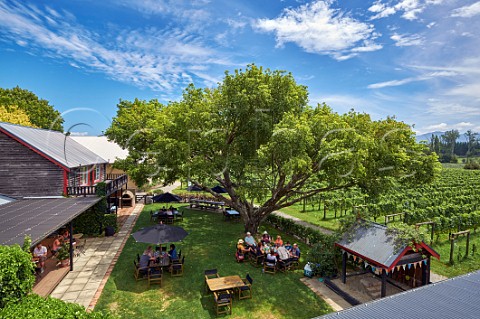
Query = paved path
x=91 y=270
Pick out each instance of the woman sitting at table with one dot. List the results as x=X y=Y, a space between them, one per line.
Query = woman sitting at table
x=259 y=249
x=271 y=258
x=279 y=241
x=149 y=252
x=266 y=237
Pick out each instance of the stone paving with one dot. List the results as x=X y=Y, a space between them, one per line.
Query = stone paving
x=90 y=272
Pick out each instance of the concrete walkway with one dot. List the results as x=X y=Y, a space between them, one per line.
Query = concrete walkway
x=91 y=270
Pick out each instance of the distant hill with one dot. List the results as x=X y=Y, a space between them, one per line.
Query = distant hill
x=427 y=136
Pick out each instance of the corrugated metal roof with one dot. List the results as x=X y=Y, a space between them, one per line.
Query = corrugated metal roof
x=38 y=218
x=55 y=145
x=371 y=240
x=458 y=297
x=103 y=147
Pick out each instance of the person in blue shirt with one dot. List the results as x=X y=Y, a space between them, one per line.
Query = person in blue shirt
x=249 y=240
x=173 y=252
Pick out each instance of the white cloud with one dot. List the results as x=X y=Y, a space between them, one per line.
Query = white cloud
x=410 y=9
x=467 y=11
x=423 y=77
x=461 y=126
x=318 y=28
x=158 y=59
x=403 y=40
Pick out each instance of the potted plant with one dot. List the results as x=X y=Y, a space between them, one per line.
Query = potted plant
x=63 y=254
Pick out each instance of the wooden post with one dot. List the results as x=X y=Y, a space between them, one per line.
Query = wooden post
x=452 y=244
x=384 y=283
x=424 y=273
x=344 y=267
x=468 y=244
x=428 y=270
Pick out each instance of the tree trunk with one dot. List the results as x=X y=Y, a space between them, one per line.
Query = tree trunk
x=252 y=224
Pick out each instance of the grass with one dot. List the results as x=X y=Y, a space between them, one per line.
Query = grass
x=210 y=244
x=314 y=216
x=461 y=265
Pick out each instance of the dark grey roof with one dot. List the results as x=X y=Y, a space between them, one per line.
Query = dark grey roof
x=370 y=240
x=458 y=297
x=38 y=218
x=55 y=145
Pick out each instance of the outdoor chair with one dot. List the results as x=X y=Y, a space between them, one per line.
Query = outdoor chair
x=176 y=269
x=179 y=215
x=153 y=216
x=269 y=266
x=139 y=273
x=223 y=301
x=257 y=260
x=284 y=265
x=295 y=262
x=155 y=276
x=170 y=220
x=210 y=273
x=80 y=247
x=245 y=292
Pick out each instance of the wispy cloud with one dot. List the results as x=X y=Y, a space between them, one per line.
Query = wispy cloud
x=467 y=11
x=319 y=28
x=410 y=9
x=404 y=40
x=161 y=59
x=423 y=77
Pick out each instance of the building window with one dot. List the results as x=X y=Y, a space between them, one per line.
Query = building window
x=98 y=172
x=83 y=175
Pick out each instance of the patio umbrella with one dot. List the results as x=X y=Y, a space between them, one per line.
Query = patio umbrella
x=160 y=234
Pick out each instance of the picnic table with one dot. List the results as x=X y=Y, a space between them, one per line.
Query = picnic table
x=224 y=283
x=206 y=204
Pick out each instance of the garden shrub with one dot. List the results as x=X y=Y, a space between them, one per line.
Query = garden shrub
x=16 y=274
x=35 y=307
x=110 y=220
x=324 y=257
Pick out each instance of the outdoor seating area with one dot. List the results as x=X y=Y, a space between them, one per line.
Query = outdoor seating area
x=166 y=216
x=205 y=278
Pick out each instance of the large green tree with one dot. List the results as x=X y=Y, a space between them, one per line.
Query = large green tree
x=256 y=136
x=40 y=113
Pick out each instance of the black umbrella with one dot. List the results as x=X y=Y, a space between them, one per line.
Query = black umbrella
x=160 y=234
x=219 y=189
x=166 y=198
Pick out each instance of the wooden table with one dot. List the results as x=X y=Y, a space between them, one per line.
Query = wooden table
x=224 y=283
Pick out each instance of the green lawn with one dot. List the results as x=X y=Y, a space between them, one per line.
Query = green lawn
x=314 y=216
x=460 y=266
x=210 y=244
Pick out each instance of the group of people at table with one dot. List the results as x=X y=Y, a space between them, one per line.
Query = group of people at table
x=273 y=251
x=158 y=257
x=40 y=252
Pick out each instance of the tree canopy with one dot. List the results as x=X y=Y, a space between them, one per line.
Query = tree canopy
x=40 y=113
x=256 y=136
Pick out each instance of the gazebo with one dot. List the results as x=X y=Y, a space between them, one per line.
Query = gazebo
x=370 y=243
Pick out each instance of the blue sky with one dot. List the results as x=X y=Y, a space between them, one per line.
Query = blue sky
x=416 y=59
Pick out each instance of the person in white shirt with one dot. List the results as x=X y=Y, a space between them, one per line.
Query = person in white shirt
x=249 y=240
x=40 y=252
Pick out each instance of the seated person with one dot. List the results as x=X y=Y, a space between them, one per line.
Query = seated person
x=271 y=258
x=173 y=252
x=279 y=241
x=56 y=245
x=66 y=235
x=40 y=252
x=283 y=254
x=259 y=249
x=144 y=261
x=295 y=252
x=266 y=237
x=157 y=252
x=249 y=240
x=288 y=246
x=149 y=252
x=241 y=248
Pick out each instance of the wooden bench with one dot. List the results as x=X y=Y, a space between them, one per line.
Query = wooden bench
x=50 y=281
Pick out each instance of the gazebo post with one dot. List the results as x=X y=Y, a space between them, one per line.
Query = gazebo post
x=424 y=274
x=384 y=283
x=344 y=267
x=428 y=270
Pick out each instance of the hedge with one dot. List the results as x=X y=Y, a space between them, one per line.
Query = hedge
x=35 y=307
x=16 y=274
x=306 y=234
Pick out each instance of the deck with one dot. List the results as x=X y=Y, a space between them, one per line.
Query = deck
x=50 y=279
